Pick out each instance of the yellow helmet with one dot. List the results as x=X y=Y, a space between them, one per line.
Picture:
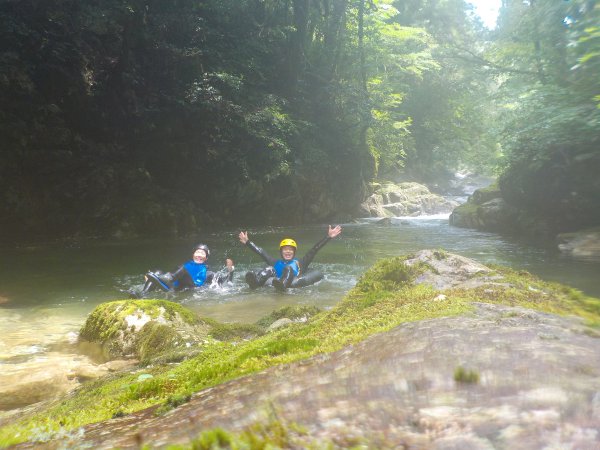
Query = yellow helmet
x=290 y=242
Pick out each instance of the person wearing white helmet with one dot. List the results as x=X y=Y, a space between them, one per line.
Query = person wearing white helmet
x=193 y=273
x=286 y=271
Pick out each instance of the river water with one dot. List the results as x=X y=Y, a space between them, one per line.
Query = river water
x=46 y=291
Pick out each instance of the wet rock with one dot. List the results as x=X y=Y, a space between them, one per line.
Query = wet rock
x=373 y=207
x=143 y=329
x=449 y=271
x=397 y=389
x=493 y=214
x=494 y=376
x=405 y=199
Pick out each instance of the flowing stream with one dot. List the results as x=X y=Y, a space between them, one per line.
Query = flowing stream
x=46 y=291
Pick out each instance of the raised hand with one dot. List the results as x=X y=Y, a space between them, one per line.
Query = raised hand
x=333 y=232
x=243 y=237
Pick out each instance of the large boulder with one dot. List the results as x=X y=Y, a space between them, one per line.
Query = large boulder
x=373 y=207
x=486 y=210
x=143 y=329
x=492 y=215
x=405 y=199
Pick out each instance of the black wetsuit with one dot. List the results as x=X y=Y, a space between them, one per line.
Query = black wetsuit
x=181 y=279
x=288 y=276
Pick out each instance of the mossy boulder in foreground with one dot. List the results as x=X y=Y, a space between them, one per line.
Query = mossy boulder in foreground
x=429 y=350
x=143 y=329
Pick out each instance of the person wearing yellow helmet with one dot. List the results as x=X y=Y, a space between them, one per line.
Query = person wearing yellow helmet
x=286 y=271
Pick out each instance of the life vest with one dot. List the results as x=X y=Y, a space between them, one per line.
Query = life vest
x=281 y=264
x=197 y=272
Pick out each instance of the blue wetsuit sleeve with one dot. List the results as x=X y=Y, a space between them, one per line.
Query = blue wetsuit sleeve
x=264 y=255
x=304 y=262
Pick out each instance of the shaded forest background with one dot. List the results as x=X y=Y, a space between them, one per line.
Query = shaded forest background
x=131 y=117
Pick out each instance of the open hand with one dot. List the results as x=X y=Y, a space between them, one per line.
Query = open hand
x=333 y=232
x=243 y=237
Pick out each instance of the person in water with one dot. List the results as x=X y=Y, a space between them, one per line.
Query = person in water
x=194 y=273
x=287 y=271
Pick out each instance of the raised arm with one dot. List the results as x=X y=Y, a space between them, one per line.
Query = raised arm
x=243 y=236
x=331 y=233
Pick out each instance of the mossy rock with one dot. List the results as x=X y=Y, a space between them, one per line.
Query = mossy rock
x=143 y=329
x=425 y=285
x=235 y=331
x=480 y=196
x=298 y=313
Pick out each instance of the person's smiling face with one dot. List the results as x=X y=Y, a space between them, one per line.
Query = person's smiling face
x=200 y=256
x=287 y=252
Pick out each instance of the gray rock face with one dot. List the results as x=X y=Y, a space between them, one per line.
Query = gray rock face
x=405 y=199
x=539 y=387
x=373 y=207
x=493 y=215
x=452 y=271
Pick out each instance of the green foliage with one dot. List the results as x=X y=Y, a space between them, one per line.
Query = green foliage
x=551 y=124
x=117 y=114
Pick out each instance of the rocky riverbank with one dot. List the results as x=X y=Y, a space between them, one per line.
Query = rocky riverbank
x=431 y=350
x=487 y=210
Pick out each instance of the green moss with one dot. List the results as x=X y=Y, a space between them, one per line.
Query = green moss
x=155 y=339
x=389 y=275
x=383 y=298
x=520 y=288
x=173 y=402
x=293 y=312
x=486 y=194
x=107 y=319
x=234 y=331
x=467 y=209
x=440 y=254
x=462 y=375
x=271 y=435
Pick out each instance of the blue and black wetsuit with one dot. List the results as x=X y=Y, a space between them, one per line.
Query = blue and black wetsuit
x=284 y=274
x=189 y=275
x=192 y=274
